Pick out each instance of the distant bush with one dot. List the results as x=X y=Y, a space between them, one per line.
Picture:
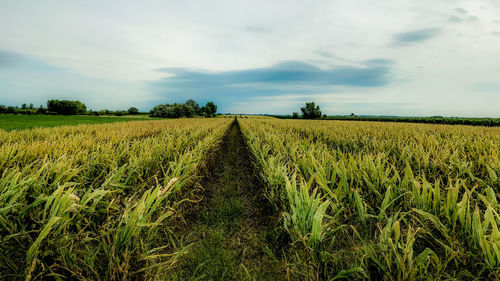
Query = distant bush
x=12 y=109
x=175 y=110
x=188 y=109
x=41 y=110
x=133 y=110
x=66 y=107
x=27 y=111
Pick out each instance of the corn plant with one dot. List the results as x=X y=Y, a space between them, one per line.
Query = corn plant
x=89 y=201
x=434 y=185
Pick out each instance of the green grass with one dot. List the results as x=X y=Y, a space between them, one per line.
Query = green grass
x=225 y=242
x=11 y=122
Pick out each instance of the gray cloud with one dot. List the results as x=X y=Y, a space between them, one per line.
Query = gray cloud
x=279 y=79
x=462 y=15
x=462 y=19
x=455 y=19
x=13 y=60
x=379 y=61
x=10 y=59
x=329 y=55
x=415 y=36
x=324 y=54
x=284 y=72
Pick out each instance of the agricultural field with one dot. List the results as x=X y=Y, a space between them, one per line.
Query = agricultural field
x=383 y=201
x=9 y=122
x=250 y=198
x=88 y=202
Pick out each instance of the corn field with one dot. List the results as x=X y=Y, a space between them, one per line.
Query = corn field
x=356 y=200
x=89 y=202
x=383 y=201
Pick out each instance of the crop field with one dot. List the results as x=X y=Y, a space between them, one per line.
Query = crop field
x=87 y=202
x=9 y=122
x=250 y=198
x=383 y=201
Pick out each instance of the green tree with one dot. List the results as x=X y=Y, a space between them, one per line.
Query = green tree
x=133 y=110
x=194 y=105
x=168 y=111
x=188 y=110
x=210 y=109
x=11 y=109
x=311 y=111
x=177 y=110
x=295 y=115
x=66 y=107
x=162 y=111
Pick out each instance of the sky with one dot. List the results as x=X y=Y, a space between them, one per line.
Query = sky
x=385 y=57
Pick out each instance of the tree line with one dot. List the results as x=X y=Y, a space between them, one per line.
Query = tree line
x=62 y=107
x=312 y=111
x=488 y=122
x=73 y=107
x=188 y=109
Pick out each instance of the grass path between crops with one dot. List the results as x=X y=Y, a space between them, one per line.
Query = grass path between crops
x=232 y=229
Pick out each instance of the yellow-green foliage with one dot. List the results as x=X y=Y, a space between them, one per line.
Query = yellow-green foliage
x=86 y=202
x=402 y=201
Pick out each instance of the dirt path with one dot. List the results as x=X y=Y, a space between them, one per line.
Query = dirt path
x=231 y=231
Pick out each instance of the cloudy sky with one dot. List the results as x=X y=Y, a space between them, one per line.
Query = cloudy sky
x=386 y=57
